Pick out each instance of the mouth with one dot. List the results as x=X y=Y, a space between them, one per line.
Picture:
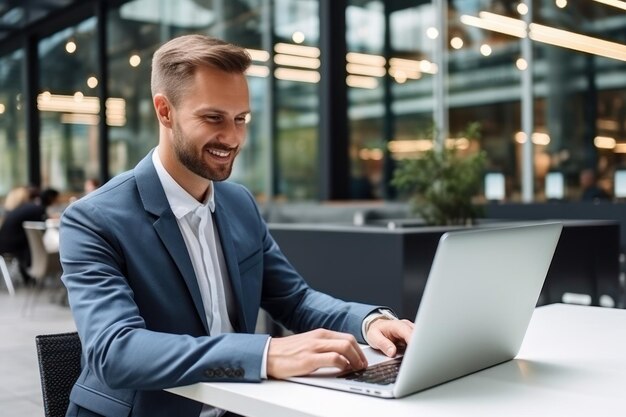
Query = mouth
x=220 y=153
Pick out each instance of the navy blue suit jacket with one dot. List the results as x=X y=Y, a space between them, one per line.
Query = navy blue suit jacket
x=137 y=306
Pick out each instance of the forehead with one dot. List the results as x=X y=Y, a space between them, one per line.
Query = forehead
x=214 y=86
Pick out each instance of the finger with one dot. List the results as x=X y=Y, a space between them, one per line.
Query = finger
x=351 y=350
x=379 y=341
x=385 y=335
x=347 y=348
x=399 y=330
x=327 y=359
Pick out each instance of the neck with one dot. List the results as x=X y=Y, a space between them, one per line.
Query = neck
x=195 y=185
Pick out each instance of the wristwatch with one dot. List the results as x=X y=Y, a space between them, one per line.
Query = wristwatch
x=380 y=314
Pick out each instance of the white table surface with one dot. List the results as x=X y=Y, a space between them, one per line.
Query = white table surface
x=572 y=363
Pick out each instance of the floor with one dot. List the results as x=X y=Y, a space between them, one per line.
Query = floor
x=20 y=389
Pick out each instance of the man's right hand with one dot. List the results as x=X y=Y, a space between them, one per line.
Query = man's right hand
x=303 y=353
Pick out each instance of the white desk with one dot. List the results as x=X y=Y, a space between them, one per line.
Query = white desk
x=572 y=363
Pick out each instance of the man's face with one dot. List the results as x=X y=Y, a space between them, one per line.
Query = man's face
x=210 y=122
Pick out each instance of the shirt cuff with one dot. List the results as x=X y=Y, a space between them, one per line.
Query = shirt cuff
x=381 y=313
x=264 y=361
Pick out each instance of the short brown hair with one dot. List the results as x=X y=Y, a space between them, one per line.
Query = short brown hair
x=175 y=62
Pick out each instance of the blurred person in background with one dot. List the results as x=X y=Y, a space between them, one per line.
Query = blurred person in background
x=13 y=239
x=591 y=191
x=16 y=197
x=91 y=184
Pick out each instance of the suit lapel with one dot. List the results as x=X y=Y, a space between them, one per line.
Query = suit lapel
x=155 y=202
x=230 y=256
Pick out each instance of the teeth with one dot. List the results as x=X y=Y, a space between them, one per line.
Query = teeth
x=221 y=154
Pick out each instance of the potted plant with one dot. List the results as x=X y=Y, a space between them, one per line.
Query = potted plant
x=442 y=183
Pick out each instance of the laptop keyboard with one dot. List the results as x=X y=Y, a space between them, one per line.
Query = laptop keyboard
x=384 y=373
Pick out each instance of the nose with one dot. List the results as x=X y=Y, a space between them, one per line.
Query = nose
x=231 y=133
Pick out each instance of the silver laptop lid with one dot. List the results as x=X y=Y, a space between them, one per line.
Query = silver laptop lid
x=480 y=295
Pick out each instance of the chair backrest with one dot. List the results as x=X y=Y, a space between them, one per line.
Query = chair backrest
x=59 y=367
x=43 y=263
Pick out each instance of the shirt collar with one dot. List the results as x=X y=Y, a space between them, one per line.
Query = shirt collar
x=181 y=202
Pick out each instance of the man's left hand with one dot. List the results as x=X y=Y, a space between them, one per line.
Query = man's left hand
x=386 y=335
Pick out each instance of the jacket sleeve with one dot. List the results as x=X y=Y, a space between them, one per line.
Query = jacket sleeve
x=117 y=346
x=289 y=299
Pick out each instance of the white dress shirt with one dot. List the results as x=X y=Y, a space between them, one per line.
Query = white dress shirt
x=197 y=226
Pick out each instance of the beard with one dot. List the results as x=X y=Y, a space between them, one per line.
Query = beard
x=195 y=162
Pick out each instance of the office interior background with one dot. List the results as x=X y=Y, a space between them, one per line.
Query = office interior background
x=340 y=90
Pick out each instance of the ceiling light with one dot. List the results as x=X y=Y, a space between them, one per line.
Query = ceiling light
x=496 y=23
x=290 y=74
x=614 y=3
x=299 y=50
x=258 y=54
x=365 y=70
x=2 y=108
x=80 y=119
x=561 y=4
x=297 y=37
x=577 y=42
x=365 y=59
x=134 y=60
x=456 y=42
x=485 y=49
x=547 y=34
x=258 y=71
x=92 y=82
x=70 y=47
x=358 y=81
x=521 y=64
x=296 y=61
x=522 y=8
x=604 y=142
x=432 y=33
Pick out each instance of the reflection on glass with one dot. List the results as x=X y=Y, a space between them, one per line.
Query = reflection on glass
x=68 y=108
x=297 y=99
x=136 y=30
x=13 y=166
x=578 y=102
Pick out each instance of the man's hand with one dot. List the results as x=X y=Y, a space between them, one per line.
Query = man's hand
x=386 y=335
x=303 y=353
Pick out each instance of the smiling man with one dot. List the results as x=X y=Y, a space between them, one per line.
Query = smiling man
x=167 y=265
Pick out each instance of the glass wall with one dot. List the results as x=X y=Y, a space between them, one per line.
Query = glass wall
x=578 y=95
x=13 y=150
x=69 y=108
x=578 y=92
x=366 y=78
x=136 y=30
x=296 y=59
x=390 y=68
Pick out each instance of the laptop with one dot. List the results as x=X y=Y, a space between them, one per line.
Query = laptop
x=480 y=294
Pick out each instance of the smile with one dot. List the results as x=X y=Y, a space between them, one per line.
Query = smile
x=218 y=153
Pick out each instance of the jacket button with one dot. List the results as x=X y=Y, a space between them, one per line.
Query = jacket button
x=239 y=372
x=230 y=372
x=209 y=373
x=219 y=372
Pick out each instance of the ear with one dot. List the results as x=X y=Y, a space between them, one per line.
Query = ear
x=163 y=109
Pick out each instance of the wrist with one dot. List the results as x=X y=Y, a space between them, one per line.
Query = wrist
x=379 y=314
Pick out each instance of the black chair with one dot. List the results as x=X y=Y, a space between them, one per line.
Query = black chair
x=59 y=368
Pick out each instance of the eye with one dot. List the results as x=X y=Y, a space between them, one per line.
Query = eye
x=241 y=120
x=213 y=118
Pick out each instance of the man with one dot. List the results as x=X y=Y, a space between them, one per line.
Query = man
x=167 y=266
